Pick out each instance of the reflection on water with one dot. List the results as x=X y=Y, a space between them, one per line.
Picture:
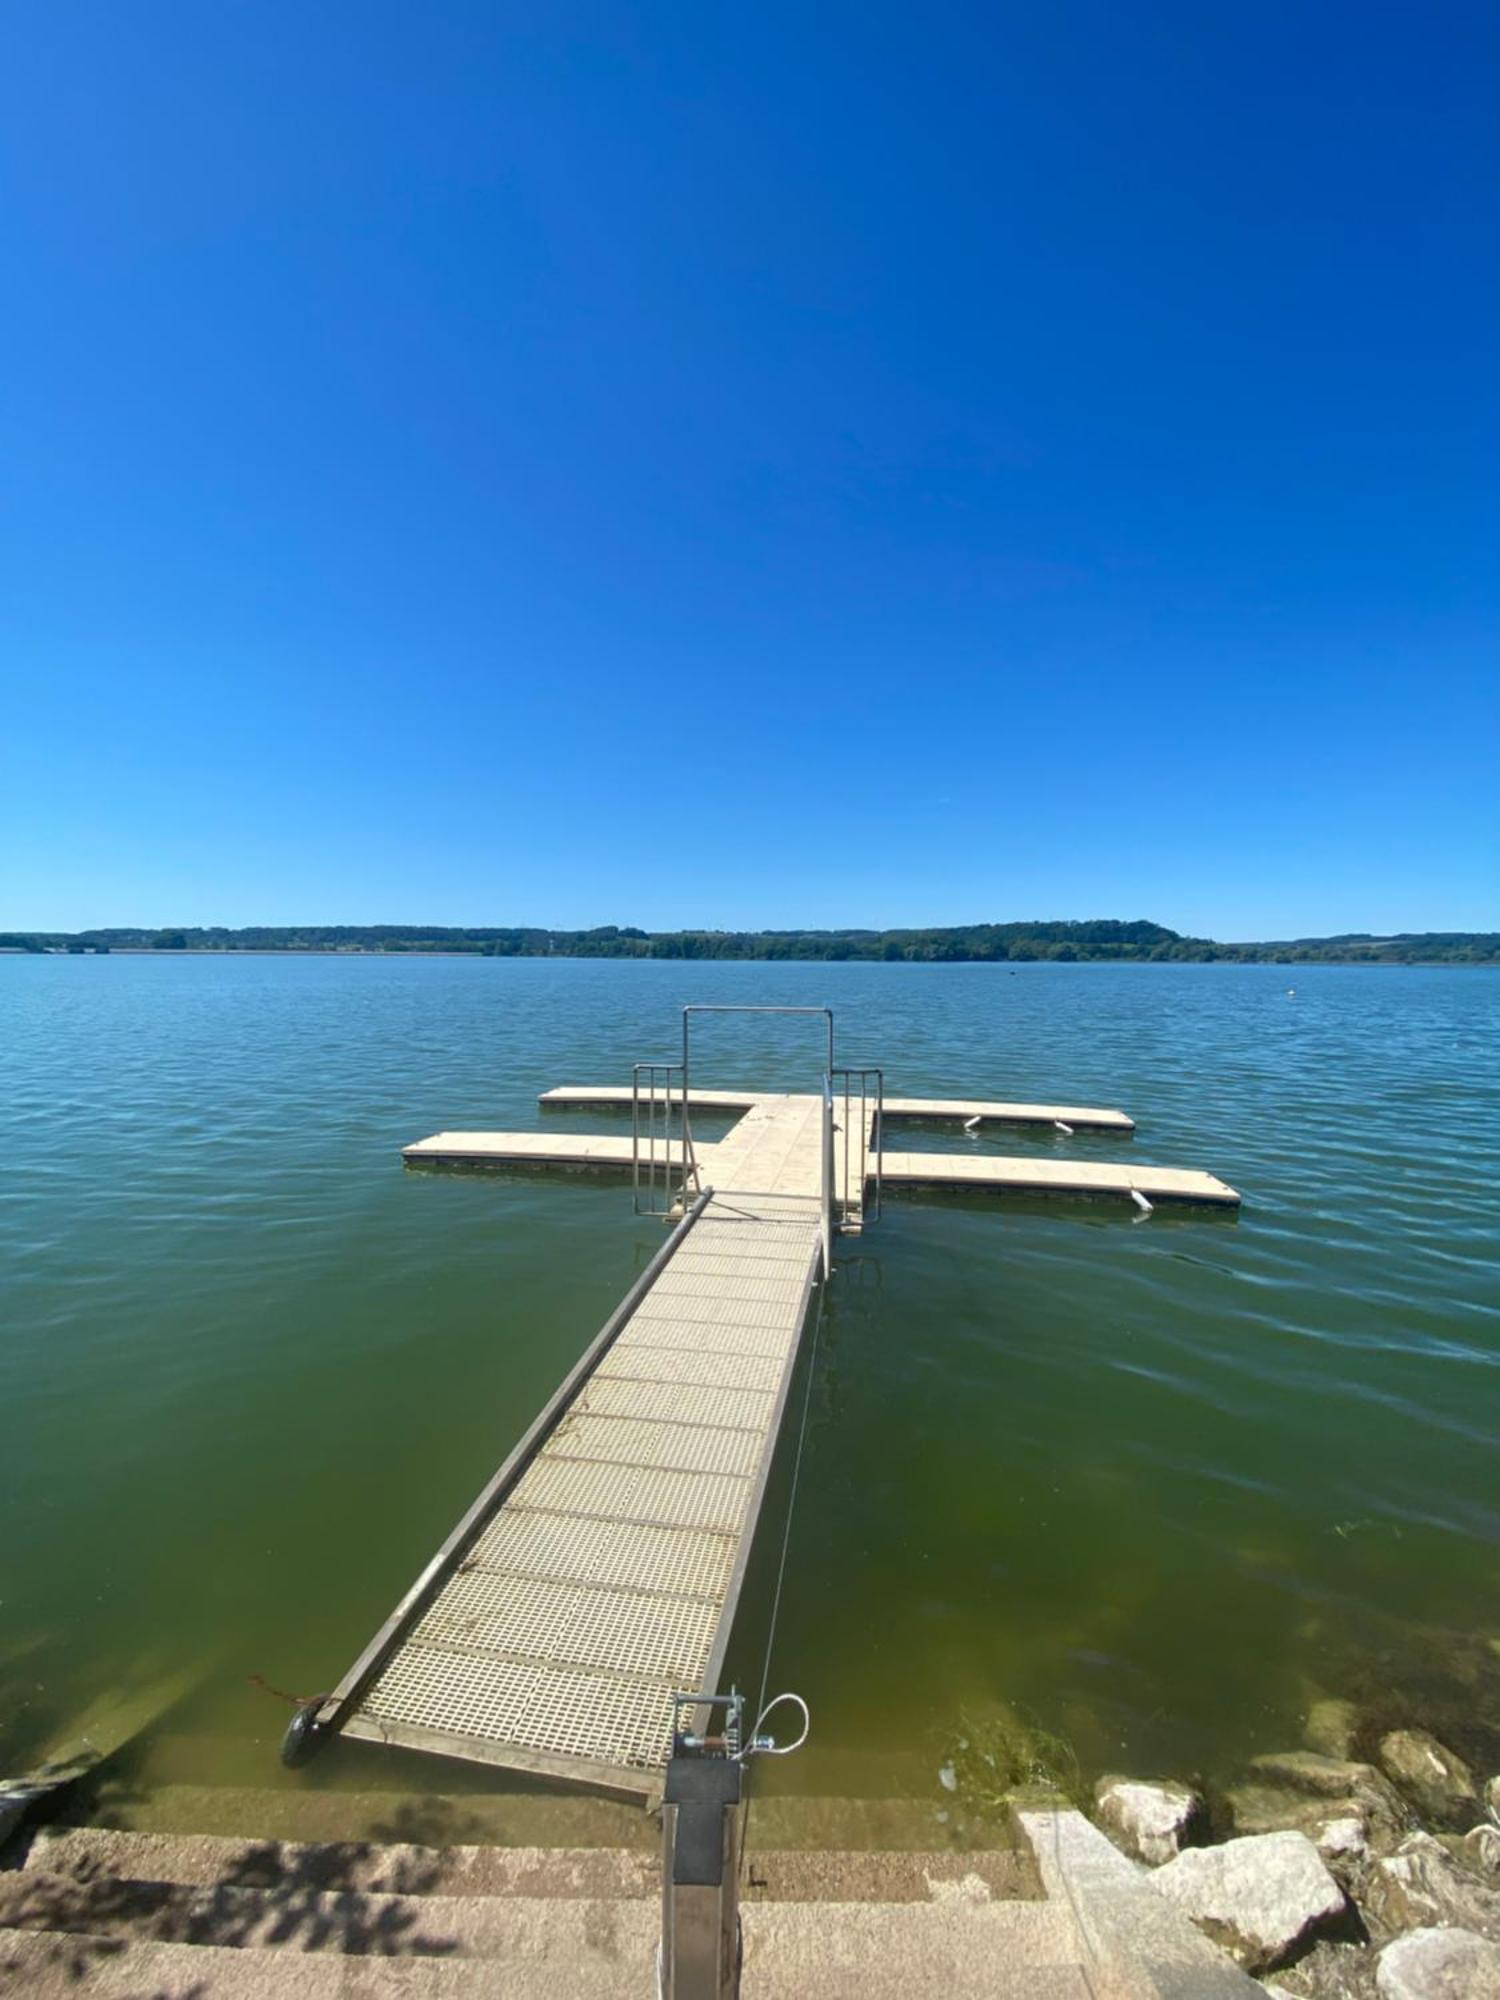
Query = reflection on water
x=1153 y=1485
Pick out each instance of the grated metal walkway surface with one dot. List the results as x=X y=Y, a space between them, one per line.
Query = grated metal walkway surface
x=605 y=1579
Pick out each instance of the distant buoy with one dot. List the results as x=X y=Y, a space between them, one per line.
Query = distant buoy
x=1291 y=993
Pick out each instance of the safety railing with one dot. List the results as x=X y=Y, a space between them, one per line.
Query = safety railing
x=859 y=1095
x=663 y=1163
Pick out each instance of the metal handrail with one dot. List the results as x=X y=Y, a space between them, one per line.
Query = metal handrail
x=827 y=1219
x=870 y=1136
x=658 y=1088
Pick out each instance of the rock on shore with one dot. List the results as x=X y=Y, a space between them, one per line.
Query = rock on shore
x=1153 y=1821
x=1441 y=1964
x=1438 y=1782
x=1259 y=1897
x=1308 y=1792
x=1421 y=1885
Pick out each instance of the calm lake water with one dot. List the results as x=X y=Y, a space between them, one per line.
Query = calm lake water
x=1153 y=1484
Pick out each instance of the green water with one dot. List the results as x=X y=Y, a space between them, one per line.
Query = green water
x=1153 y=1484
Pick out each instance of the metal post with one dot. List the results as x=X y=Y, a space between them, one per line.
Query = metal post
x=879 y=1141
x=702 y=1808
x=651 y=1126
x=635 y=1136
x=827 y=1176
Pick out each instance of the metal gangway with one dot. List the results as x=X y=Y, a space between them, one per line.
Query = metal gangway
x=595 y=1578
x=575 y=1623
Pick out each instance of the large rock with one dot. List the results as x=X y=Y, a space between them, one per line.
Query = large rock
x=1260 y=1898
x=1304 y=1792
x=1342 y=1841
x=1150 y=1820
x=1480 y=1849
x=1439 y=1965
x=1437 y=1781
x=1331 y=1727
x=1319 y=1777
x=1332 y=1971
x=1421 y=1885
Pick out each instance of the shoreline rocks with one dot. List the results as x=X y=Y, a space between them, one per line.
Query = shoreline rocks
x=1437 y=1781
x=1348 y=1879
x=1439 y=1964
x=1152 y=1820
x=1307 y=1792
x=1421 y=1885
x=1332 y=1727
x=1260 y=1897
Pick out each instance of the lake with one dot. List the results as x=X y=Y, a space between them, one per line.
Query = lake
x=1153 y=1484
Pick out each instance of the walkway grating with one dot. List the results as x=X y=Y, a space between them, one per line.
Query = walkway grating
x=603 y=1579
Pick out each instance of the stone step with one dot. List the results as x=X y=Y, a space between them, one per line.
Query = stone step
x=994 y=1951
x=795 y=1875
x=308 y=1811
x=196 y=1860
x=299 y=1917
x=79 y=1966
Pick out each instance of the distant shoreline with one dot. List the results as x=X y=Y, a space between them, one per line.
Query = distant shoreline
x=582 y=958
x=1107 y=941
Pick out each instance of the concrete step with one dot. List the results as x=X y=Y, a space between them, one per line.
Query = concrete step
x=203 y=1860
x=304 y=1810
x=299 y=1917
x=195 y=1860
x=996 y=1951
x=47 y=1966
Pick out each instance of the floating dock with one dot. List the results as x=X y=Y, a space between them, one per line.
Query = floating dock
x=777 y=1129
x=932 y=1110
x=597 y=1574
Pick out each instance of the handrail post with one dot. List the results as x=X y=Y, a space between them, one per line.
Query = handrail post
x=879 y=1141
x=827 y=1176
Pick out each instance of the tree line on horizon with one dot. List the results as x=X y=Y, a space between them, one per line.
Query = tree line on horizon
x=1103 y=939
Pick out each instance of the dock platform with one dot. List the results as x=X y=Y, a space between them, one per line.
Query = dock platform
x=777 y=1133
x=597 y=1574
x=933 y=1110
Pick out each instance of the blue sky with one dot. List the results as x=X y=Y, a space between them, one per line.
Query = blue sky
x=848 y=464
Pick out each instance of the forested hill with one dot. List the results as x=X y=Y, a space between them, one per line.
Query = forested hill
x=1105 y=938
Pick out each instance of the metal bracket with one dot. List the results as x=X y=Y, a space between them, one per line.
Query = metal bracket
x=702 y=1818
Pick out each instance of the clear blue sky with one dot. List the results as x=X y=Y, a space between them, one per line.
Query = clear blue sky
x=795 y=464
